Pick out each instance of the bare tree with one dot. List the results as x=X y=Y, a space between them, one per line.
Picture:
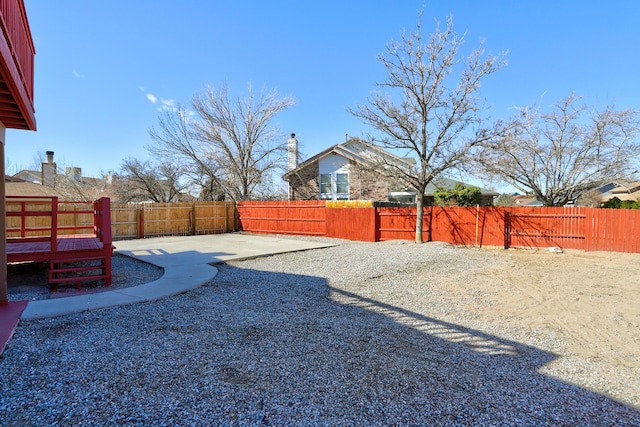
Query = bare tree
x=174 y=141
x=590 y=199
x=229 y=142
x=146 y=180
x=567 y=152
x=73 y=187
x=422 y=116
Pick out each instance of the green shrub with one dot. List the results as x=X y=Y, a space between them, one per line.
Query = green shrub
x=614 y=203
x=460 y=195
x=627 y=204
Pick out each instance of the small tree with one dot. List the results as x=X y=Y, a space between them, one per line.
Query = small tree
x=565 y=153
x=428 y=114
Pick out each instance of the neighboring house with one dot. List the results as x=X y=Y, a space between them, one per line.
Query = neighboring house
x=522 y=200
x=347 y=171
x=341 y=172
x=593 y=198
x=29 y=176
x=623 y=192
x=70 y=185
x=18 y=187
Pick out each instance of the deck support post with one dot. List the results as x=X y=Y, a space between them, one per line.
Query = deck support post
x=4 y=298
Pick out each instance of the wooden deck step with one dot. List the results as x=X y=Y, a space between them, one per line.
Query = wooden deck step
x=57 y=271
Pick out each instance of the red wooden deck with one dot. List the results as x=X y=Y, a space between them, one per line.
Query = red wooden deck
x=38 y=242
x=41 y=251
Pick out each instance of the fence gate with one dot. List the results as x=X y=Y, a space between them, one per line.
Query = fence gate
x=536 y=230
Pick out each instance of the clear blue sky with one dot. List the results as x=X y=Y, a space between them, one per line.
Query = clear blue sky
x=104 y=68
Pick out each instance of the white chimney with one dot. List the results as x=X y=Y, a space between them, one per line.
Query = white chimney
x=292 y=148
x=49 y=170
x=74 y=173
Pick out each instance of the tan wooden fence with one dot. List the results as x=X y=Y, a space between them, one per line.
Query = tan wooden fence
x=71 y=217
x=129 y=221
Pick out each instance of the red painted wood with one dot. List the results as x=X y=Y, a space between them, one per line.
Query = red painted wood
x=64 y=248
x=9 y=316
x=352 y=223
x=574 y=228
x=17 y=63
x=283 y=217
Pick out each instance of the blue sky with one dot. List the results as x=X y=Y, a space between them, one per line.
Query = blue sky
x=104 y=69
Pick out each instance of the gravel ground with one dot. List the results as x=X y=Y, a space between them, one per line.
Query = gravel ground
x=29 y=281
x=357 y=334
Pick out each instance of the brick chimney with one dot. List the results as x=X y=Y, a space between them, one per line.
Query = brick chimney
x=49 y=170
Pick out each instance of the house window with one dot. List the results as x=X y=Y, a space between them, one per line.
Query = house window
x=325 y=183
x=334 y=186
x=342 y=183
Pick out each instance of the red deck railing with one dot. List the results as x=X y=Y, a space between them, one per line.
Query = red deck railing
x=46 y=229
x=43 y=218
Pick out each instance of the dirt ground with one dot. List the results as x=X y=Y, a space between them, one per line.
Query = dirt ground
x=589 y=300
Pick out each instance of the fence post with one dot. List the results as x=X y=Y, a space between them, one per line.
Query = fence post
x=376 y=224
x=507 y=229
x=54 y=224
x=430 y=228
x=588 y=219
x=140 y=212
x=192 y=220
x=477 y=217
x=236 y=217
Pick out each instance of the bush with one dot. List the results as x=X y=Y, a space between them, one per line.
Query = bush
x=616 y=203
x=460 y=195
x=613 y=203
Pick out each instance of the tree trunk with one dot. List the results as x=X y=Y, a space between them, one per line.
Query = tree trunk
x=419 y=215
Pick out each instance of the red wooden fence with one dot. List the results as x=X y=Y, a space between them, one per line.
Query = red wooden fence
x=357 y=223
x=590 y=229
x=283 y=217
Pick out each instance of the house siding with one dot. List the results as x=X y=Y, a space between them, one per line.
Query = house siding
x=303 y=185
x=363 y=184
x=366 y=185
